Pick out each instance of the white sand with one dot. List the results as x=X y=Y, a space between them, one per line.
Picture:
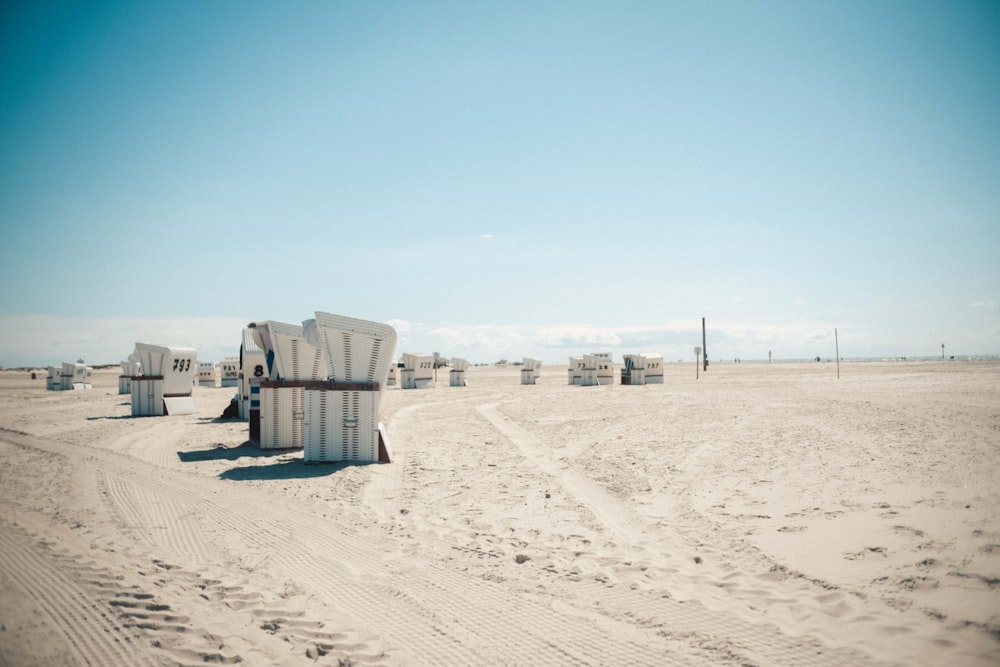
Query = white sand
x=760 y=515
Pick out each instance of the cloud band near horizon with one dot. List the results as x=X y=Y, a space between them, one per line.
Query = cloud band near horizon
x=41 y=340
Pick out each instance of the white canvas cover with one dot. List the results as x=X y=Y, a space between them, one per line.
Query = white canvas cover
x=355 y=350
x=179 y=405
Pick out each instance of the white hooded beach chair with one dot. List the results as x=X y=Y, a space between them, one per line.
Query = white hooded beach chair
x=342 y=414
x=130 y=368
x=456 y=376
x=531 y=370
x=207 y=374
x=633 y=369
x=417 y=371
x=291 y=362
x=253 y=369
x=598 y=369
x=75 y=376
x=654 y=368
x=167 y=380
x=229 y=372
x=53 y=381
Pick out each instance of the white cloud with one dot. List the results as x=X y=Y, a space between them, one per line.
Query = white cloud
x=401 y=326
x=577 y=336
x=41 y=340
x=474 y=337
x=552 y=342
x=48 y=339
x=486 y=237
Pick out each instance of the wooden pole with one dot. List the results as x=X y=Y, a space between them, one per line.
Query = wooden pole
x=836 y=343
x=704 y=347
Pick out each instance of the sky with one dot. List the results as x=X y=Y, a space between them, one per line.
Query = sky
x=500 y=180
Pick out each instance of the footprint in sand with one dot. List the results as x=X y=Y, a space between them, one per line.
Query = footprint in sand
x=919 y=583
x=978 y=580
x=792 y=529
x=866 y=552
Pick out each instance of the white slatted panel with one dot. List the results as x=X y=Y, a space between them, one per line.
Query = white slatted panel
x=147 y=397
x=282 y=411
x=342 y=426
x=356 y=350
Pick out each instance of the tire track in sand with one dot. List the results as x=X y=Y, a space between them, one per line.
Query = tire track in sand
x=172 y=524
x=623 y=524
x=382 y=492
x=729 y=636
x=531 y=628
x=442 y=617
x=93 y=634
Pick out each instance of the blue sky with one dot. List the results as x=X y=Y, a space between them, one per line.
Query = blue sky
x=502 y=179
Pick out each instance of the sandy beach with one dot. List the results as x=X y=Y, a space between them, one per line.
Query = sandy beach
x=761 y=514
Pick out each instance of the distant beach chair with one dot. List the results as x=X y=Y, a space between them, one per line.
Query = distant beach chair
x=167 y=381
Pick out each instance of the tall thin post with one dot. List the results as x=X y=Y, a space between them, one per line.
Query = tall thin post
x=836 y=343
x=704 y=347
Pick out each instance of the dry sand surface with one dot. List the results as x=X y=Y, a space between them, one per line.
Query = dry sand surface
x=759 y=515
